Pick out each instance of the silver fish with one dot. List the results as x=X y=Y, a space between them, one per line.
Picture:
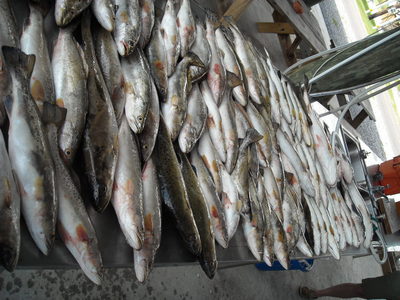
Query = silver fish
x=29 y=153
x=280 y=246
x=110 y=65
x=273 y=193
x=10 y=211
x=242 y=120
x=103 y=10
x=138 y=91
x=148 y=136
x=67 y=10
x=147 y=16
x=186 y=27
x=33 y=41
x=70 y=78
x=127 y=25
x=127 y=197
x=195 y=120
x=144 y=258
x=313 y=224
x=170 y=34
x=202 y=49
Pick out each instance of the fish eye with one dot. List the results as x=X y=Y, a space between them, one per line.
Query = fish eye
x=68 y=152
x=145 y=147
x=140 y=118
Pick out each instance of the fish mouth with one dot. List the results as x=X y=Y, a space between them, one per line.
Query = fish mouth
x=209 y=267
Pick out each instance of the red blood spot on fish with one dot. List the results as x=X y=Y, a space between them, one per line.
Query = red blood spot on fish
x=178 y=23
x=159 y=65
x=289 y=229
x=148 y=222
x=65 y=236
x=210 y=121
x=214 y=212
x=115 y=186
x=225 y=199
x=217 y=69
x=81 y=233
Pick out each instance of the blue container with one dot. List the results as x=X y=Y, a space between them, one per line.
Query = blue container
x=303 y=265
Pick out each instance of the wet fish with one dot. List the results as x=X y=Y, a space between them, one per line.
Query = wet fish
x=144 y=258
x=210 y=158
x=214 y=204
x=214 y=121
x=173 y=191
x=273 y=193
x=33 y=41
x=110 y=65
x=313 y=224
x=232 y=64
x=157 y=57
x=127 y=196
x=242 y=120
x=240 y=174
x=70 y=76
x=208 y=257
x=179 y=85
x=138 y=91
x=195 y=121
x=333 y=247
x=73 y=224
x=216 y=77
x=100 y=143
x=127 y=27
x=104 y=12
x=230 y=201
x=148 y=136
x=67 y=10
x=29 y=153
x=147 y=16
x=186 y=27
x=262 y=75
x=202 y=49
x=10 y=211
x=227 y=113
x=280 y=245
x=345 y=165
x=254 y=166
x=170 y=34
x=276 y=113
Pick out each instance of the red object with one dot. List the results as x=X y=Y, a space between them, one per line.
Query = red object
x=298 y=8
x=390 y=171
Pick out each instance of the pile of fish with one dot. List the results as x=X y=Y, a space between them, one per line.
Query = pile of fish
x=163 y=109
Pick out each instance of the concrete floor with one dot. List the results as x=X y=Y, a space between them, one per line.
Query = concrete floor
x=189 y=282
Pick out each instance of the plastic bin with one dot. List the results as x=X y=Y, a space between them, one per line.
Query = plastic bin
x=303 y=265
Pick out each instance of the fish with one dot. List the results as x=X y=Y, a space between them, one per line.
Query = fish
x=127 y=194
x=147 y=17
x=70 y=82
x=273 y=193
x=202 y=49
x=100 y=139
x=322 y=226
x=214 y=121
x=294 y=158
x=240 y=173
x=227 y=114
x=333 y=247
x=67 y=10
x=215 y=205
x=276 y=112
x=186 y=27
x=347 y=170
x=173 y=191
x=314 y=228
x=33 y=41
x=103 y=10
x=254 y=166
x=195 y=121
x=111 y=69
x=242 y=120
x=264 y=146
x=127 y=27
x=276 y=168
x=73 y=222
x=262 y=75
x=247 y=61
x=170 y=34
x=10 y=212
x=138 y=91
x=144 y=258
x=290 y=176
x=29 y=153
x=280 y=245
x=304 y=247
x=174 y=109
x=231 y=63
x=230 y=201
x=208 y=256
x=156 y=55
x=148 y=136
x=359 y=203
x=216 y=76
x=289 y=223
x=211 y=159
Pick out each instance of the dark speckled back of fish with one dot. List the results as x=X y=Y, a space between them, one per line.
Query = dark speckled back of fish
x=173 y=191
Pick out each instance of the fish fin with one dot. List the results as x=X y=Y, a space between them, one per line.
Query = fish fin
x=195 y=60
x=8 y=103
x=16 y=58
x=53 y=114
x=232 y=79
x=289 y=176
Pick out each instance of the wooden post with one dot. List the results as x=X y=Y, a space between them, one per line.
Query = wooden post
x=237 y=8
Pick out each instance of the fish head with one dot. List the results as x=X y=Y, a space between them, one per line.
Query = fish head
x=209 y=267
x=136 y=114
x=143 y=266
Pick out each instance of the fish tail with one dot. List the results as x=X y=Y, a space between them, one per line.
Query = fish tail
x=232 y=79
x=17 y=59
x=53 y=114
